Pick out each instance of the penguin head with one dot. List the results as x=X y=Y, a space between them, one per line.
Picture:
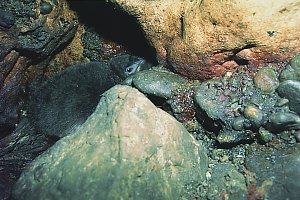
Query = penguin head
x=127 y=65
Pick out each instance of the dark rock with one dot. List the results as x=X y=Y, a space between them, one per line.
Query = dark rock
x=290 y=89
x=281 y=121
x=45 y=7
x=277 y=172
x=67 y=99
x=266 y=80
x=7 y=19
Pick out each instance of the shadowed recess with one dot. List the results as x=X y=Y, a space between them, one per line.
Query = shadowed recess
x=114 y=24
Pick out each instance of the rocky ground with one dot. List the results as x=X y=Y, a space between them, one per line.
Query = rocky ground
x=238 y=137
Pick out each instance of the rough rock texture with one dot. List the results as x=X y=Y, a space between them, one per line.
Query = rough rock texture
x=128 y=148
x=277 y=172
x=201 y=38
x=30 y=33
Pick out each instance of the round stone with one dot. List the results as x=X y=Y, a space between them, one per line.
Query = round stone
x=266 y=80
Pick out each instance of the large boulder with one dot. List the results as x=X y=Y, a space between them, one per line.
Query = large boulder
x=201 y=38
x=127 y=149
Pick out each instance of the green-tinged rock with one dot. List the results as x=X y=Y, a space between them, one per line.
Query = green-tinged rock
x=277 y=167
x=265 y=135
x=158 y=82
x=295 y=62
x=266 y=80
x=127 y=149
x=282 y=121
x=45 y=7
x=290 y=89
x=209 y=98
x=226 y=179
x=292 y=70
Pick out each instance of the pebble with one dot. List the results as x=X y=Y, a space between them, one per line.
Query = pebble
x=266 y=80
x=265 y=135
x=158 y=82
x=254 y=115
x=282 y=121
x=297 y=136
x=295 y=62
x=292 y=70
x=45 y=7
x=238 y=123
x=290 y=89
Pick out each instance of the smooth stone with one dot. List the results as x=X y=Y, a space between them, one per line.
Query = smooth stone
x=127 y=149
x=281 y=121
x=238 y=123
x=254 y=115
x=290 y=89
x=295 y=62
x=158 y=82
x=45 y=7
x=289 y=73
x=208 y=99
x=266 y=80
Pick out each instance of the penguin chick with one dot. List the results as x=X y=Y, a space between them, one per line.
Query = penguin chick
x=67 y=99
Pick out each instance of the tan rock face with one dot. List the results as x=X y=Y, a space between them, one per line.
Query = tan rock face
x=200 y=38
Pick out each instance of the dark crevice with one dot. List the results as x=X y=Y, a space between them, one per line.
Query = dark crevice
x=114 y=24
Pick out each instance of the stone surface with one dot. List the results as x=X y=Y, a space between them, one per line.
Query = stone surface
x=277 y=172
x=290 y=89
x=127 y=148
x=281 y=121
x=266 y=80
x=227 y=180
x=28 y=39
x=199 y=38
x=159 y=82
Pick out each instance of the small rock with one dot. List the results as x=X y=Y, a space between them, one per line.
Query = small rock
x=297 y=136
x=289 y=73
x=45 y=7
x=238 y=123
x=290 y=89
x=266 y=80
x=295 y=62
x=254 y=115
x=210 y=99
x=265 y=135
x=292 y=70
x=158 y=82
x=281 y=121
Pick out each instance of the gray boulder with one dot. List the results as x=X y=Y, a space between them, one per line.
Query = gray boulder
x=127 y=149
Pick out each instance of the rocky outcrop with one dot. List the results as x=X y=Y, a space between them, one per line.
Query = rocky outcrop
x=204 y=39
x=30 y=34
x=126 y=148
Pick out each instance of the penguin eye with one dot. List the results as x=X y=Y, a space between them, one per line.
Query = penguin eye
x=129 y=70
